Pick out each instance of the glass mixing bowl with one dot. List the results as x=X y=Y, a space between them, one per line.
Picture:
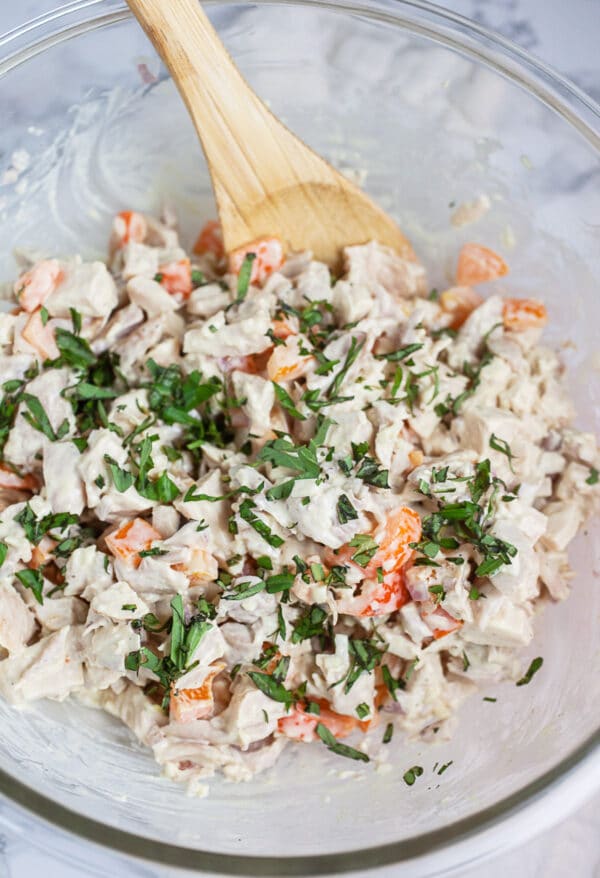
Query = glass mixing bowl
x=434 y=111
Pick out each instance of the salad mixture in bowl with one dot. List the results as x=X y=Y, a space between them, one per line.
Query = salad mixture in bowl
x=247 y=504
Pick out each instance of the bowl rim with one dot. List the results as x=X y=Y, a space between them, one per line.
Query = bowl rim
x=581 y=112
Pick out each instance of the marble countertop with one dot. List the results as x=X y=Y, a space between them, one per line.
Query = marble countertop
x=566 y=37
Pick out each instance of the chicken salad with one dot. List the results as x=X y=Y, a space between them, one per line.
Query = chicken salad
x=245 y=503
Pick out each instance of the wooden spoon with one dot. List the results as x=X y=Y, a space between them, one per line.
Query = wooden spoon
x=266 y=181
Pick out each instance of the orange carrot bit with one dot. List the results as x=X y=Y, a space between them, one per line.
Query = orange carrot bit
x=286 y=362
x=460 y=302
x=189 y=704
x=34 y=286
x=176 y=277
x=210 y=240
x=269 y=258
x=41 y=337
x=477 y=264
x=41 y=553
x=520 y=314
x=449 y=623
x=128 y=225
x=12 y=480
x=131 y=538
x=282 y=328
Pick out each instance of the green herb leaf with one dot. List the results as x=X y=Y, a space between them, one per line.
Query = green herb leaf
x=245 y=273
x=533 y=668
x=244 y=590
x=84 y=390
x=286 y=402
x=74 y=351
x=345 y=510
x=367 y=547
x=356 y=347
x=334 y=745
x=3 y=553
x=387 y=735
x=372 y=474
x=310 y=624
x=246 y=512
x=34 y=580
x=281 y=491
x=122 y=478
x=272 y=688
x=412 y=774
x=401 y=354
x=37 y=417
x=279 y=582
x=503 y=447
x=281 y=669
x=592 y=479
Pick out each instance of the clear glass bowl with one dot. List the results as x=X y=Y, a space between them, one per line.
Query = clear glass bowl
x=435 y=111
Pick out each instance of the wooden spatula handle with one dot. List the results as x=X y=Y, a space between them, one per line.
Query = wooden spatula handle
x=266 y=181
x=239 y=135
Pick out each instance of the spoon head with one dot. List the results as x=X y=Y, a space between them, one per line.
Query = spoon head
x=320 y=216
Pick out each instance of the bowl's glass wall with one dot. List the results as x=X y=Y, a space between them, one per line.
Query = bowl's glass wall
x=431 y=127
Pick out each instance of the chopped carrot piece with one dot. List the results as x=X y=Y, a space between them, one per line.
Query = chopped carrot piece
x=176 y=277
x=301 y=725
x=202 y=566
x=131 y=538
x=477 y=264
x=415 y=457
x=41 y=553
x=383 y=590
x=520 y=314
x=437 y=616
x=11 y=479
x=286 y=362
x=128 y=225
x=210 y=240
x=189 y=704
x=282 y=328
x=460 y=302
x=269 y=258
x=41 y=337
x=251 y=363
x=33 y=288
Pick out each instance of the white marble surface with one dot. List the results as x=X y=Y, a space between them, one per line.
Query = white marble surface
x=565 y=35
